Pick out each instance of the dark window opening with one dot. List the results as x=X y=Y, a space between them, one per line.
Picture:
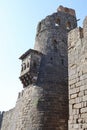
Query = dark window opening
x=28 y=64
x=57 y=22
x=68 y=25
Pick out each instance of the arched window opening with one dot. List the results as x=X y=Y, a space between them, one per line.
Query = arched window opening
x=57 y=22
x=68 y=25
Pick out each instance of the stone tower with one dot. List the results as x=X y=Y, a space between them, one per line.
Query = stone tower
x=43 y=104
x=46 y=69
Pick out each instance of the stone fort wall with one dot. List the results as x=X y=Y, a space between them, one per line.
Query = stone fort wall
x=44 y=106
x=7 y=120
x=25 y=115
x=77 y=68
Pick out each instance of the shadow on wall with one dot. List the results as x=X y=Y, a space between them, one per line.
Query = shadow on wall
x=1 y=117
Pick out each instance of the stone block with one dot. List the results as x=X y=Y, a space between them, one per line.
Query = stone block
x=74 y=95
x=85 y=98
x=76 y=126
x=77 y=105
x=84 y=110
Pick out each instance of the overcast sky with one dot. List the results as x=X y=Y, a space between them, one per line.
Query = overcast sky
x=18 y=22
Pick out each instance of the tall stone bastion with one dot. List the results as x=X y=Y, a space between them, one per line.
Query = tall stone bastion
x=54 y=78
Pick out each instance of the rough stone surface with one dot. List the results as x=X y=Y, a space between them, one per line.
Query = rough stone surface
x=8 y=122
x=43 y=104
x=77 y=68
x=51 y=40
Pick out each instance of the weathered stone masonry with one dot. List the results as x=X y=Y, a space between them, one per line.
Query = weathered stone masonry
x=77 y=55
x=57 y=55
x=43 y=104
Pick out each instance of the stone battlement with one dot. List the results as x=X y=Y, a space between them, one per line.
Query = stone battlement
x=66 y=10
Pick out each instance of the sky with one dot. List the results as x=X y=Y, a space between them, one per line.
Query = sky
x=18 y=22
